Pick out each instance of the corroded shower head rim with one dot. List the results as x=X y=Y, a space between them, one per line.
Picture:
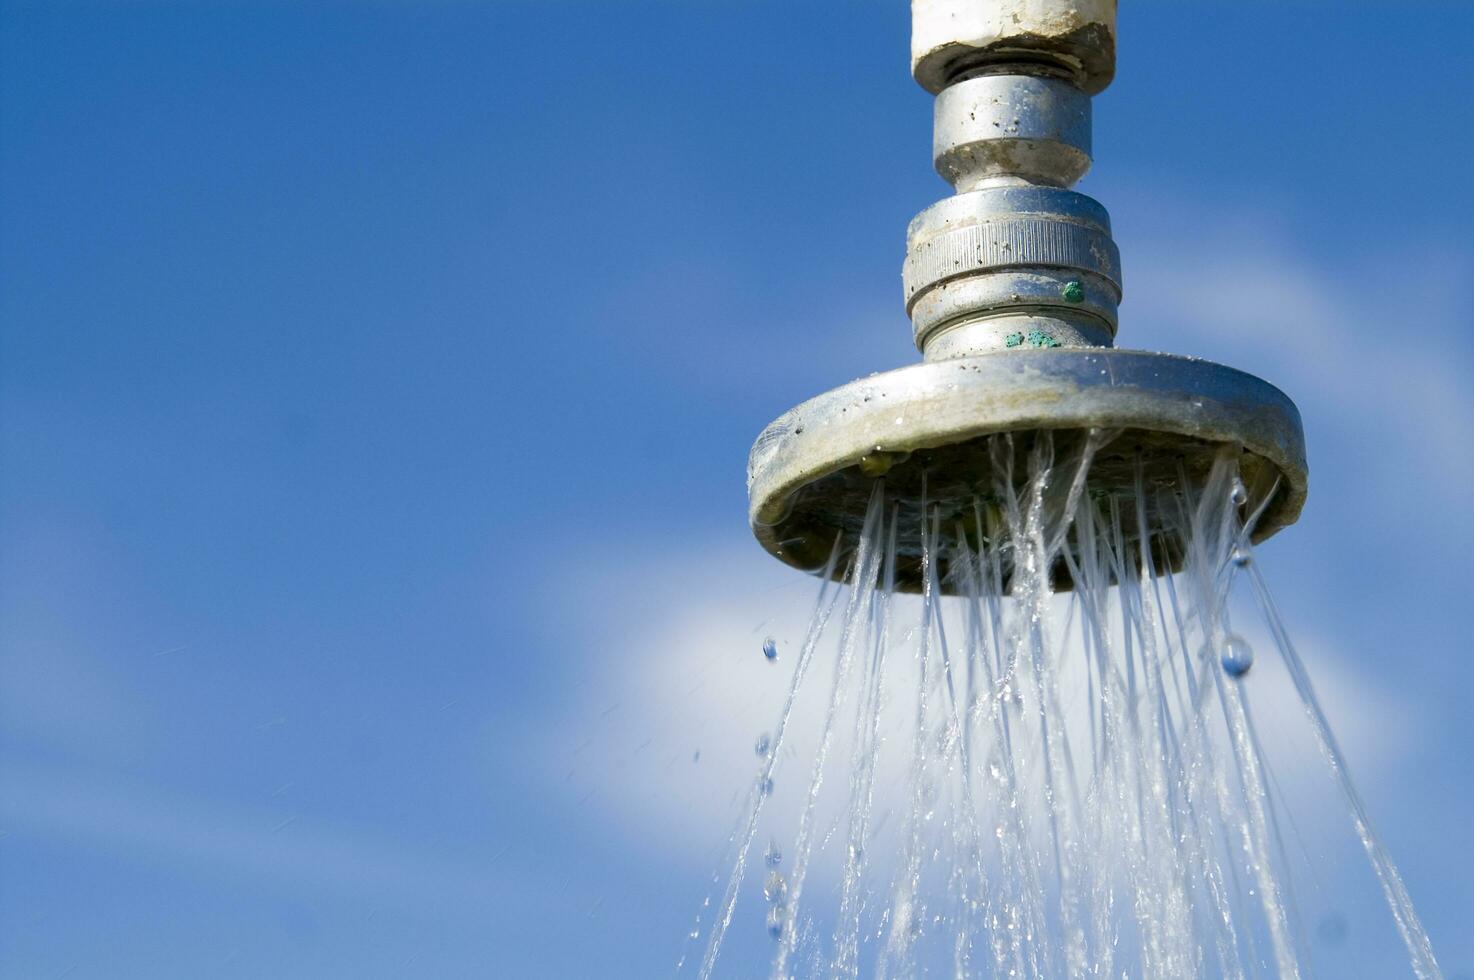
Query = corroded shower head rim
x=808 y=466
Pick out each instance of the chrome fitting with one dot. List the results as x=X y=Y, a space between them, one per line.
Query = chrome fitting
x=1014 y=258
x=1011 y=128
x=1013 y=266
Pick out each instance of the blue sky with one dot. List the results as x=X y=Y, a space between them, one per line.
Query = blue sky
x=376 y=383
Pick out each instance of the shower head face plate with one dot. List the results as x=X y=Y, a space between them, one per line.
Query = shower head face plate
x=926 y=429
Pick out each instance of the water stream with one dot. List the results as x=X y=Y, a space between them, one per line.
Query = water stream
x=1025 y=782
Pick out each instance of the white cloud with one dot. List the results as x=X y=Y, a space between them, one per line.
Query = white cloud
x=684 y=673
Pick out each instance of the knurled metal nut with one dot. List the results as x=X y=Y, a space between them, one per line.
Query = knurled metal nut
x=1021 y=241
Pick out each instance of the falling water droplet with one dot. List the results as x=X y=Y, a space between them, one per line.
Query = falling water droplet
x=765 y=787
x=1238 y=656
x=1009 y=695
x=1240 y=492
x=777 y=919
x=774 y=857
x=775 y=888
x=762 y=745
x=1242 y=555
x=770 y=649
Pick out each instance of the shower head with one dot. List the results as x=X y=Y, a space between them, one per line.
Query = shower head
x=1160 y=419
x=1012 y=286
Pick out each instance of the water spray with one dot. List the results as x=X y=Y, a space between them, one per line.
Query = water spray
x=1012 y=286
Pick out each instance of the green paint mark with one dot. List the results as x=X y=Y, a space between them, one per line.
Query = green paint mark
x=1038 y=338
x=1013 y=339
x=1073 y=292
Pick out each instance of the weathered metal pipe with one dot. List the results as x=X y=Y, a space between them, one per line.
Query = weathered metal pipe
x=1073 y=39
x=1012 y=286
